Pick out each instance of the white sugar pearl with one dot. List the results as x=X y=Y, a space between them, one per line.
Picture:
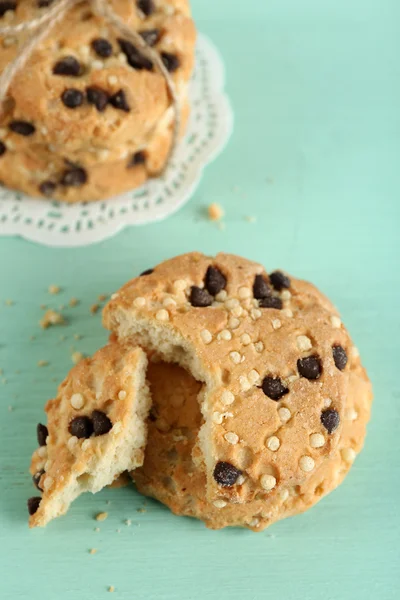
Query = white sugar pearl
x=231 y=437
x=233 y=323
x=85 y=445
x=351 y=414
x=206 y=336
x=255 y=313
x=254 y=522
x=169 y=302
x=268 y=482
x=253 y=376
x=354 y=352
x=48 y=482
x=219 y=503
x=286 y=295
x=180 y=285
x=306 y=463
x=303 y=343
x=72 y=442
x=231 y=303
x=42 y=452
x=245 y=339
x=317 y=440
x=235 y=357
x=244 y=383
x=217 y=418
x=162 y=315
x=273 y=443
x=77 y=401
x=348 y=454
x=284 y=414
x=139 y=302
x=336 y=322
x=276 y=324
x=284 y=495
x=259 y=346
x=122 y=395
x=227 y=397
x=225 y=335
x=287 y=312
x=221 y=296
x=244 y=292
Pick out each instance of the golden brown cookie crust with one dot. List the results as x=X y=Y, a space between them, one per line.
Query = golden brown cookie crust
x=232 y=346
x=106 y=397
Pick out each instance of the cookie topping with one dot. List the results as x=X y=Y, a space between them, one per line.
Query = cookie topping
x=22 y=128
x=199 y=297
x=261 y=288
x=147 y=272
x=42 y=433
x=274 y=388
x=81 y=427
x=146 y=6
x=340 y=357
x=268 y=482
x=2 y=148
x=47 y=188
x=101 y=423
x=226 y=474
x=102 y=47
x=67 y=66
x=5 y=6
x=72 y=98
x=171 y=61
x=135 y=58
x=270 y=302
x=310 y=367
x=306 y=463
x=97 y=97
x=139 y=158
x=36 y=479
x=33 y=504
x=330 y=419
x=74 y=177
x=214 y=281
x=279 y=280
x=119 y=101
x=150 y=36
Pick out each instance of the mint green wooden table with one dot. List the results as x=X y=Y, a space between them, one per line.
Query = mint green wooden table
x=315 y=158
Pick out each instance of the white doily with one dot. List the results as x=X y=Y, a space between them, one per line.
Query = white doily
x=209 y=128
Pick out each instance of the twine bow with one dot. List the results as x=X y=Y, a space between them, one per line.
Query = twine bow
x=41 y=27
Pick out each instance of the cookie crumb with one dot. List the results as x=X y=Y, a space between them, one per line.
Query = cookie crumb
x=141 y=510
x=76 y=357
x=111 y=588
x=73 y=302
x=54 y=289
x=97 y=529
x=215 y=212
x=94 y=308
x=250 y=219
x=102 y=516
x=92 y=550
x=42 y=363
x=51 y=317
x=128 y=522
x=77 y=336
x=9 y=302
x=102 y=297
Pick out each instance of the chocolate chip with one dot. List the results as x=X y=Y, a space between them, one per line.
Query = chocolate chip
x=119 y=101
x=74 y=177
x=200 y=297
x=330 y=419
x=270 y=302
x=22 y=128
x=36 y=479
x=139 y=158
x=47 y=188
x=147 y=272
x=5 y=6
x=146 y=6
x=261 y=288
x=279 y=280
x=274 y=388
x=33 y=504
x=215 y=281
x=72 y=98
x=310 y=367
x=171 y=61
x=150 y=36
x=226 y=474
x=102 y=47
x=97 y=97
x=134 y=57
x=81 y=427
x=101 y=423
x=41 y=432
x=67 y=66
x=2 y=148
x=339 y=356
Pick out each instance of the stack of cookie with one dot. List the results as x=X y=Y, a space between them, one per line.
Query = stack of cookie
x=89 y=116
x=256 y=399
